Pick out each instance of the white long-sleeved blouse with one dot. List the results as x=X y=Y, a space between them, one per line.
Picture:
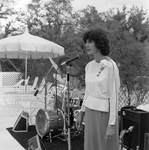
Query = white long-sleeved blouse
x=102 y=87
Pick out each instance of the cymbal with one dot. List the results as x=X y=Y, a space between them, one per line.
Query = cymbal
x=75 y=68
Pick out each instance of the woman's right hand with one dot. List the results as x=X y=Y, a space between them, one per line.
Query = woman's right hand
x=79 y=119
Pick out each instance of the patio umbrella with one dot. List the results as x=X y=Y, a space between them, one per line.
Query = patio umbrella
x=27 y=46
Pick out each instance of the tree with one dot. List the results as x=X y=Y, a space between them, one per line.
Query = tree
x=129 y=44
x=52 y=24
x=127 y=30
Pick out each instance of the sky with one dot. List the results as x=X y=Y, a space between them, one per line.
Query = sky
x=104 y=5
x=101 y=5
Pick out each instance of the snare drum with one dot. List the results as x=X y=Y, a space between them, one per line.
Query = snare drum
x=49 y=121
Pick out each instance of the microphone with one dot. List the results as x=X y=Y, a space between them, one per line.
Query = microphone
x=79 y=55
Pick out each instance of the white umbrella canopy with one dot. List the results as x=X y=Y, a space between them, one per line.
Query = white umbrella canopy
x=27 y=46
x=30 y=46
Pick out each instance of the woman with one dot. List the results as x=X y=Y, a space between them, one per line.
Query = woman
x=101 y=95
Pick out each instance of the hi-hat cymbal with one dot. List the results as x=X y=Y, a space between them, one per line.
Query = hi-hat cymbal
x=75 y=68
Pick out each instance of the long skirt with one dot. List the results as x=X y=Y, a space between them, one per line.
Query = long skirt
x=96 y=123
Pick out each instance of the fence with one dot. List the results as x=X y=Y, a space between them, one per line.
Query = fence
x=9 y=78
x=123 y=99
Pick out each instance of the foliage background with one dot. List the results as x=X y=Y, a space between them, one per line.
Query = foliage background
x=55 y=20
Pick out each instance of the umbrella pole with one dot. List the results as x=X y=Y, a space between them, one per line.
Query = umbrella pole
x=26 y=73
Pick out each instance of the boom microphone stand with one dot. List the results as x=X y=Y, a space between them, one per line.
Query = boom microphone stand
x=74 y=68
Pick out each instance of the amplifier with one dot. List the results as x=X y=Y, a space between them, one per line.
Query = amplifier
x=140 y=120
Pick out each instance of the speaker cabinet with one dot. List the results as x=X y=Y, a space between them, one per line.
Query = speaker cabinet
x=35 y=143
x=140 y=120
x=21 y=124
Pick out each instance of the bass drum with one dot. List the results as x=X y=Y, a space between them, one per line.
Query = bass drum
x=49 y=121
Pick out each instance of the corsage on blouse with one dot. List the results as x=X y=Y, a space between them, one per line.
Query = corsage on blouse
x=104 y=63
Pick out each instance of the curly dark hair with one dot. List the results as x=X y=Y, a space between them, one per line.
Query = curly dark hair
x=99 y=37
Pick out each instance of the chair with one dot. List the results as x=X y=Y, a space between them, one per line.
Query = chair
x=19 y=83
x=27 y=80
x=12 y=103
x=32 y=87
x=30 y=103
x=12 y=94
x=28 y=95
x=35 y=82
x=18 y=87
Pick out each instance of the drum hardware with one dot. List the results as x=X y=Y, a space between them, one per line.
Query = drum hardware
x=63 y=118
x=51 y=124
x=74 y=105
x=48 y=121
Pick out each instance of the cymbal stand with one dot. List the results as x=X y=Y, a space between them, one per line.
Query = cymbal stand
x=66 y=134
x=56 y=102
x=64 y=109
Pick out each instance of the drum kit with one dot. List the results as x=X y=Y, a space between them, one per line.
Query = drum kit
x=60 y=121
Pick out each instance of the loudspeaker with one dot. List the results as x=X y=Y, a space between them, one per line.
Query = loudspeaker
x=146 y=141
x=21 y=124
x=35 y=143
x=140 y=120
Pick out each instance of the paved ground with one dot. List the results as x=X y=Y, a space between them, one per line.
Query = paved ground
x=7 y=119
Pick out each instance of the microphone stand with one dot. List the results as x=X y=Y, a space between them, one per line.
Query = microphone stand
x=68 y=107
